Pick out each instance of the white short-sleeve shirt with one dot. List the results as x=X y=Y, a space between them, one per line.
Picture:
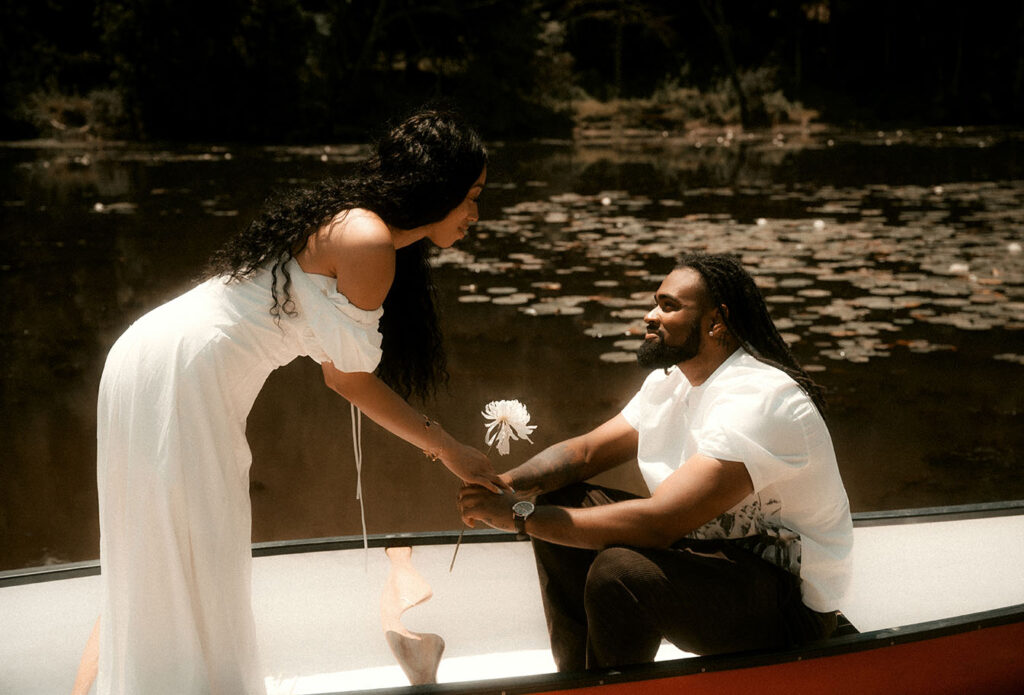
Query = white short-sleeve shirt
x=798 y=515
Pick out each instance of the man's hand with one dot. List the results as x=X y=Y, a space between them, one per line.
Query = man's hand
x=477 y=503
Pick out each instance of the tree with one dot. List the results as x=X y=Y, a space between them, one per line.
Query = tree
x=617 y=17
x=190 y=68
x=715 y=15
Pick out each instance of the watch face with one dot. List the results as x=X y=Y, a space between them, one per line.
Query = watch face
x=522 y=508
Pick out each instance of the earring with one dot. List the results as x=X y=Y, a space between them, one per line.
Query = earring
x=711 y=332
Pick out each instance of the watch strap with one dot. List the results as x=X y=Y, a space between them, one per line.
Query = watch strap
x=520 y=521
x=520 y=527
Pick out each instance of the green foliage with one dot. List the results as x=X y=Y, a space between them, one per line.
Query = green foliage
x=287 y=70
x=209 y=70
x=675 y=106
x=292 y=70
x=765 y=99
x=44 y=51
x=58 y=115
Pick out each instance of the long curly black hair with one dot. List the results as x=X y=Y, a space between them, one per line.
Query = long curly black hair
x=419 y=171
x=748 y=319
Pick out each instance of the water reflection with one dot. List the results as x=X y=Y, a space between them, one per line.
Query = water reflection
x=851 y=279
x=892 y=262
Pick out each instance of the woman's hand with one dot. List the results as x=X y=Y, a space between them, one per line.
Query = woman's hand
x=472 y=466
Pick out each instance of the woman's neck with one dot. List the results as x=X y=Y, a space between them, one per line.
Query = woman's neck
x=406 y=237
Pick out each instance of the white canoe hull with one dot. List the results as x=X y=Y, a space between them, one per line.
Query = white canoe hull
x=318 y=611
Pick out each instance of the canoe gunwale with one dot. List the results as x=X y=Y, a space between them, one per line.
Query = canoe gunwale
x=691 y=666
x=983 y=510
x=44 y=573
x=49 y=573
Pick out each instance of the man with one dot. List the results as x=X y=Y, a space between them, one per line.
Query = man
x=745 y=540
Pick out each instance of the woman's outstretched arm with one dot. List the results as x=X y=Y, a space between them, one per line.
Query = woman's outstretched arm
x=390 y=411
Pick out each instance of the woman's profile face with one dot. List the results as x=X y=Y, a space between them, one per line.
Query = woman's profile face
x=456 y=223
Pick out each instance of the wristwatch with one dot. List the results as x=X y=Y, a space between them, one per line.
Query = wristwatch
x=521 y=511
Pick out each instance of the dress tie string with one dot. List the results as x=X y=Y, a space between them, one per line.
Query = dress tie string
x=357 y=448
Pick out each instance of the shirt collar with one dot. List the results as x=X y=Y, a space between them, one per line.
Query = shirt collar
x=737 y=354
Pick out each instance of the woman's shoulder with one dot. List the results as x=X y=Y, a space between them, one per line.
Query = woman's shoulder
x=352 y=238
x=358 y=249
x=358 y=228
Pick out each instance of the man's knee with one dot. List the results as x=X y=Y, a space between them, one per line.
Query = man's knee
x=621 y=623
x=613 y=575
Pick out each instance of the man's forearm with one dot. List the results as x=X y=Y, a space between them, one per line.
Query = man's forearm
x=635 y=523
x=555 y=467
x=576 y=459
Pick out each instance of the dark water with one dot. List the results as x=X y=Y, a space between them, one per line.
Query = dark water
x=892 y=261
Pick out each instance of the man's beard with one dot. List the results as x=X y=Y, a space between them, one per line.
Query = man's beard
x=655 y=354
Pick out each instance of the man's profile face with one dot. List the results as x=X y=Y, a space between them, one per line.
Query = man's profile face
x=675 y=331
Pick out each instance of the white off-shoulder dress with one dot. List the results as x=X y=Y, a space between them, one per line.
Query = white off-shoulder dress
x=173 y=475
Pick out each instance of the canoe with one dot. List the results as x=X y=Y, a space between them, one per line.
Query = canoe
x=937 y=600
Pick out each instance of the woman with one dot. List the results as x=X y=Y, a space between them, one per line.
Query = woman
x=314 y=274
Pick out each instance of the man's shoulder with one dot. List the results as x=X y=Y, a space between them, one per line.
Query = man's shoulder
x=752 y=385
x=747 y=373
x=659 y=386
x=659 y=377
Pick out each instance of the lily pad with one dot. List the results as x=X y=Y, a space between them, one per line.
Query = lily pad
x=551 y=309
x=517 y=298
x=605 y=330
x=618 y=357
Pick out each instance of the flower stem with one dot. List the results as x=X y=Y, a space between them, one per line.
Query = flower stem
x=458 y=543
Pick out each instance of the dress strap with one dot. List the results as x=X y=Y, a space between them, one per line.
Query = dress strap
x=357 y=448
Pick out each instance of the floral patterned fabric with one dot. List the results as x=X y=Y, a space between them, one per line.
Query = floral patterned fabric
x=757 y=526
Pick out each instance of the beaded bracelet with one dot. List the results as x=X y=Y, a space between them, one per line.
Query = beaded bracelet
x=427 y=423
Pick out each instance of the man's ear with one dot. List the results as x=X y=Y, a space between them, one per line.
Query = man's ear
x=721 y=313
x=718 y=317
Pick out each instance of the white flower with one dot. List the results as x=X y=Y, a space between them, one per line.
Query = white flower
x=506 y=419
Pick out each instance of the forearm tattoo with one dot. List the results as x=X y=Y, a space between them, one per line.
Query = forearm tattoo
x=555 y=467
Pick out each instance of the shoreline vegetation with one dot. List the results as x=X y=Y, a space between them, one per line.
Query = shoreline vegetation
x=675 y=112
x=671 y=110
x=591 y=120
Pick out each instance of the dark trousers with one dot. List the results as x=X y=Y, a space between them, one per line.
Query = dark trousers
x=613 y=607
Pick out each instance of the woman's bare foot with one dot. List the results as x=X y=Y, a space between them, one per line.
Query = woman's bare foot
x=417 y=653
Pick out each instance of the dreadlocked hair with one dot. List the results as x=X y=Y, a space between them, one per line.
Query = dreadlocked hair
x=418 y=172
x=747 y=317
